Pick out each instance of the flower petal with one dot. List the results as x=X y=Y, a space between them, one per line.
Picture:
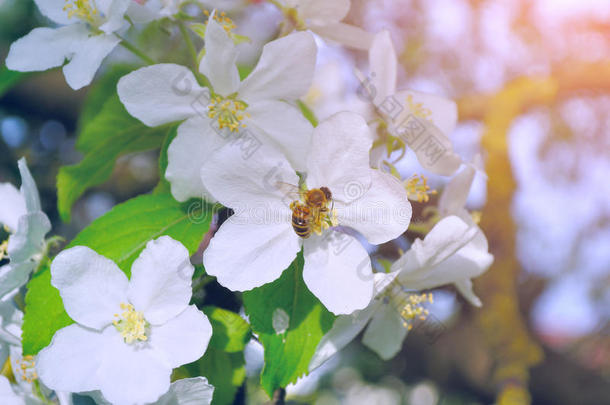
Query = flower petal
x=14 y=275
x=284 y=70
x=188 y=391
x=91 y=286
x=385 y=333
x=45 y=48
x=383 y=67
x=7 y=395
x=344 y=34
x=251 y=184
x=160 y=284
x=87 y=59
x=465 y=288
x=338 y=271
x=12 y=206
x=72 y=361
x=195 y=142
x=453 y=199
x=162 y=93
x=54 y=9
x=130 y=374
x=339 y=156
x=381 y=213
x=285 y=126
x=344 y=330
x=182 y=339
x=28 y=187
x=29 y=238
x=218 y=63
x=244 y=255
x=324 y=11
x=115 y=16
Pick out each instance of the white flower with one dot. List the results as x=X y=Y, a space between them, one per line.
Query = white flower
x=250 y=112
x=21 y=214
x=422 y=121
x=187 y=391
x=85 y=37
x=7 y=395
x=129 y=334
x=256 y=244
x=324 y=18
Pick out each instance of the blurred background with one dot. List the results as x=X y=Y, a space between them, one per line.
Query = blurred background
x=532 y=83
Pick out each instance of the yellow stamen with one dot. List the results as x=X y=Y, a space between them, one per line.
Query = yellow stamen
x=131 y=324
x=418 y=189
x=409 y=305
x=227 y=24
x=476 y=216
x=27 y=370
x=229 y=113
x=84 y=10
x=3 y=249
x=418 y=109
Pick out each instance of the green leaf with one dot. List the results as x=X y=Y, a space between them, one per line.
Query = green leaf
x=97 y=95
x=119 y=235
x=44 y=313
x=289 y=321
x=9 y=78
x=225 y=371
x=231 y=331
x=116 y=133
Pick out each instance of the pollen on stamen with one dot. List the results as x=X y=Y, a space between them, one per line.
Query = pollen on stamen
x=413 y=308
x=418 y=189
x=27 y=371
x=131 y=324
x=418 y=109
x=84 y=10
x=227 y=24
x=228 y=112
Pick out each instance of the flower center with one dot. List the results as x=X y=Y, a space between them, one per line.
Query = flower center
x=418 y=109
x=229 y=112
x=221 y=18
x=27 y=370
x=418 y=189
x=84 y=10
x=3 y=249
x=313 y=212
x=131 y=324
x=409 y=305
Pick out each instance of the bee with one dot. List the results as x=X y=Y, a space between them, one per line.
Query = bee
x=309 y=216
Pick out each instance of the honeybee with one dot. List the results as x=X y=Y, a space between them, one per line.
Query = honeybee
x=310 y=215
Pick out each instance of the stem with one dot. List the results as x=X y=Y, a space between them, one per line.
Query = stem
x=202 y=282
x=133 y=49
x=279 y=397
x=189 y=45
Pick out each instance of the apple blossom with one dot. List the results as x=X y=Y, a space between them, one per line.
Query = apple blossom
x=256 y=244
x=86 y=35
x=129 y=334
x=422 y=121
x=253 y=110
x=22 y=216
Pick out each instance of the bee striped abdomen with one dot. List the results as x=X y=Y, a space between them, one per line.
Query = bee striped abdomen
x=301 y=220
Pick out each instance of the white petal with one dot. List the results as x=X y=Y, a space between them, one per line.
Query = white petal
x=382 y=212
x=54 y=9
x=218 y=63
x=423 y=122
x=72 y=361
x=338 y=271
x=162 y=93
x=284 y=71
x=385 y=333
x=252 y=184
x=339 y=156
x=344 y=34
x=184 y=338
x=285 y=126
x=324 y=11
x=160 y=284
x=12 y=206
x=29 y=238
x=14 y=275
x=87 y=59
x=188 y=391
x=244 y=255
x=383 y=66
x=195 y=142
x=91 y=286
x=45 y=48
x=115 y=16
x=131 y=375
x=28 y=187
x=465 y=288
x=344 y=330
x=454 y=196
x=7 y=395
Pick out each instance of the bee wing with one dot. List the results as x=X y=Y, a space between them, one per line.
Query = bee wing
x=290 y=191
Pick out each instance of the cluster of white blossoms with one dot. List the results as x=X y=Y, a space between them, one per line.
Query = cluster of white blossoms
x=292 y=186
